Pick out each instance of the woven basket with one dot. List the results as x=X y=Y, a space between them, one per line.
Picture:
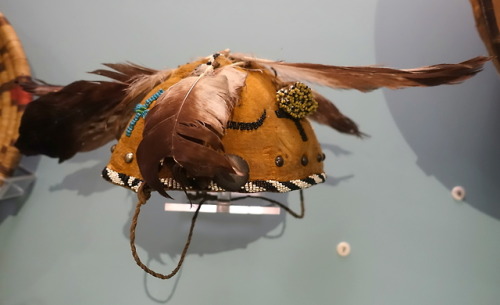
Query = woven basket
x=13 y=68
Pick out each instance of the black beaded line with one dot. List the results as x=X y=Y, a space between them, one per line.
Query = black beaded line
x=290 y=185
x=135 y=182
x=311 y=180
x=283 y=115
x=247 y=126
x=105 y=175
x=124 y=179
x=265 y=185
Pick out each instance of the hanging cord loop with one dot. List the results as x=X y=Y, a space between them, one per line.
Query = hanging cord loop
x=143 y=195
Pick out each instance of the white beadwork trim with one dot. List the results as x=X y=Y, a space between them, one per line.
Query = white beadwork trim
x=250 y=187
x=279 y=186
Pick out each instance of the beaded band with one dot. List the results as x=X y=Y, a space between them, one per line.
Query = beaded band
x=247 y=126
x=255 y=186
x=141 y=111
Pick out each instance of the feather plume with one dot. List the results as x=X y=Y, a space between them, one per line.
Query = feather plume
x=81 y=116
x=367 y=78
x=142 y=84
x=185 y=127
x=329 y=114
x=124 y=72
x=38 y=87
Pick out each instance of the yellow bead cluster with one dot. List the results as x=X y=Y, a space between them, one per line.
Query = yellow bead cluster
x=297 y=100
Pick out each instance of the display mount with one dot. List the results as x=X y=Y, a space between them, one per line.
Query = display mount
x=222 y=202
x=16 y=185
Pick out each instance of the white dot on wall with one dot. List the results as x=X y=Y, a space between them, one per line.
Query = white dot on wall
x=458 y=193
x=343 y=248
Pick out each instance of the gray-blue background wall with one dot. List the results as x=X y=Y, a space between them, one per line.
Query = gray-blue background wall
x=387 y=195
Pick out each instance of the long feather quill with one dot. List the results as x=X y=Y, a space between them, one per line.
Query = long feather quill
x=367 y=78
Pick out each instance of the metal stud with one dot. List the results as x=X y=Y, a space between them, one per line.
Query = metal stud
x=279 y=161
x=304 y=161
x=319 y=157
x=129 y=157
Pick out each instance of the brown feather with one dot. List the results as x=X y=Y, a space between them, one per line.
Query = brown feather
x=38 y=87
x=81 y=116
x=74 y=119
x=329 y=114
x=142 y=84
x=124 y=72
x=185 y=127
x=367 y=78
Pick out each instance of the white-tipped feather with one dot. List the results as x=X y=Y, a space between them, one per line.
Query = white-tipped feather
x=142 y=84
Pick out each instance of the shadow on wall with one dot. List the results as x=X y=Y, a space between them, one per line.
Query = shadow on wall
x=452 y=130
x=90 y=165
x=159 y=232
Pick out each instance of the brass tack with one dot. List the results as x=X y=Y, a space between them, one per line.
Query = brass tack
x=129 y=157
